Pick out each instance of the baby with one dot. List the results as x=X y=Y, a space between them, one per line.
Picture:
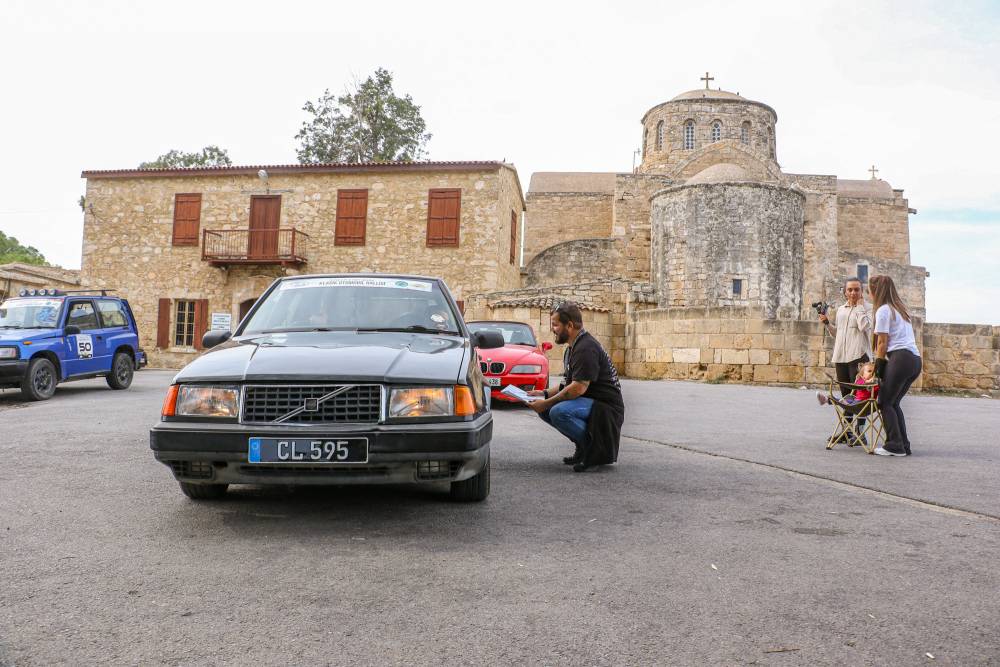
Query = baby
x=866 y=376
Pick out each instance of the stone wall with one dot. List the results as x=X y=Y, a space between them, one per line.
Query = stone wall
x=706 y=236
x=875 y=227
x=631 y=220
x=574 y=261
x=910 y=280
x=961 y=357
x=129 y=223
x=554 y=217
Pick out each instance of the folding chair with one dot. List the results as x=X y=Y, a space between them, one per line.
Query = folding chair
x=858 y=423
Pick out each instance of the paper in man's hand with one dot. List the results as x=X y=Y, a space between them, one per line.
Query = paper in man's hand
x=519 y=394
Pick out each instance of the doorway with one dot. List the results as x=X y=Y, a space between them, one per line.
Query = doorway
x=265 y=215
x=245 y=307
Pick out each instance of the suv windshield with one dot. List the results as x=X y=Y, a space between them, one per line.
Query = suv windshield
x=307 y=304
x=30 y=313
x=513 y=334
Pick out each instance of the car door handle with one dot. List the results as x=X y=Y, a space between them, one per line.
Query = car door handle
x=100 y=338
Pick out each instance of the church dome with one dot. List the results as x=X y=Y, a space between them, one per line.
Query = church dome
x=707 y=94
x=724 y=172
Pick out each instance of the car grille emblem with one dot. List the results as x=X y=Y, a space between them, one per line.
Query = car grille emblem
x=311 y=405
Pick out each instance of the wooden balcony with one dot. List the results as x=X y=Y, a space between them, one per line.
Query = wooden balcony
x=223 y=247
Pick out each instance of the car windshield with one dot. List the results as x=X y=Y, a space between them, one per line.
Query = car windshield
x=351 y=303
x=30 y=313
x=513 y=333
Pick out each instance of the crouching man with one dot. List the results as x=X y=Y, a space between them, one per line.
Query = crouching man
x=588 y=407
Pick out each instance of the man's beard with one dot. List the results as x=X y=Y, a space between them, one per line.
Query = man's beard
x=562 y=338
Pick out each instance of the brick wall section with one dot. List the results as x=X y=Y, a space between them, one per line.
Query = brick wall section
x=556 y=217
x=875 y=227
x=128 y=227
x=962 y=356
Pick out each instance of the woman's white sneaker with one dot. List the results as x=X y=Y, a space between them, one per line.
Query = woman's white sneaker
x=882 y=451
x=821 y=397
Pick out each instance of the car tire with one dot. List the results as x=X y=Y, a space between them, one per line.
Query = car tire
x=122 y=371
x=475 y=489
x=203 y=491
x=39 y=383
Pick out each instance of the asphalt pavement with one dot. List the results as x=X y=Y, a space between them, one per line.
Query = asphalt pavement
x=726 y=535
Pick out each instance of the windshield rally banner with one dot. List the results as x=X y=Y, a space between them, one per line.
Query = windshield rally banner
x=389 y=283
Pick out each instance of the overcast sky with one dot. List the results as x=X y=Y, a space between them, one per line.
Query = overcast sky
x=913 y=88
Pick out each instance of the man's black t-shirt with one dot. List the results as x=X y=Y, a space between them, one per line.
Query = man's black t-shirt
x=587 y=361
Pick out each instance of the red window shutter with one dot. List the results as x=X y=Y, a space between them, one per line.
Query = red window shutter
x=187 y=218
x=352 y=215
x=200 y=321
x=163 y=324
x=513 y=237
x=443 y=215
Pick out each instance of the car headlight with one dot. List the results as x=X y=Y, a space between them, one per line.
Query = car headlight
x=526 y=369
x=422 y=402
x=201 y=401
x=9 y=353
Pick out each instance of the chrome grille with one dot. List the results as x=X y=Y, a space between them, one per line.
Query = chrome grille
x=301 y=404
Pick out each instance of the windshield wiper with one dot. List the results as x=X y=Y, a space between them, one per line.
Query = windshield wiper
x=415 y=328
x=11 y=326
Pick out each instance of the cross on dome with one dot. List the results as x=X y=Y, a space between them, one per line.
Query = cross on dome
x=874 y=171
x=706 y=79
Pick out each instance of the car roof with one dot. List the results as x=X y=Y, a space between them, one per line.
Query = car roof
x=498 y=322
x=405 y=276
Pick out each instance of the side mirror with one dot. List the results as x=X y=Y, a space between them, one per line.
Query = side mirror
x=487 y=340
x=71 y=330
x=546 y=346
x=215 y=337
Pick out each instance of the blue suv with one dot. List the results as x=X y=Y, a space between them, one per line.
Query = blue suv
x=49 y=336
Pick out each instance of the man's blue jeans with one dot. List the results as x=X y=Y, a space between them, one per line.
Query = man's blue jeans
x=570 y=418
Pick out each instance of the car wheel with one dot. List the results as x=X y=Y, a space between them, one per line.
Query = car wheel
x=474 y=489
x=40 y=381
x=122 y=371
x=203 y=491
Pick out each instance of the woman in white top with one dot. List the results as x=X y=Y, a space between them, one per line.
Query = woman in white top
x=852 y=330
x=897 y=362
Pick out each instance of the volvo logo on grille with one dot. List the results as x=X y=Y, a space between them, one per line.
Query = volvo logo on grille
x=311 y=405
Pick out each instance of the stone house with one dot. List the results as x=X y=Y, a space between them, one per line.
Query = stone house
x=194 y=248
x=16 y=276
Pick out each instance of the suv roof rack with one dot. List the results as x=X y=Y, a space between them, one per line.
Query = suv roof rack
x=62 y=292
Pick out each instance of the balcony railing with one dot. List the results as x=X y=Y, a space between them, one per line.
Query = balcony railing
x=220 y=247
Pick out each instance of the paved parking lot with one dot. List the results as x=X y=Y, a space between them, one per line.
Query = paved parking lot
x=726 y=535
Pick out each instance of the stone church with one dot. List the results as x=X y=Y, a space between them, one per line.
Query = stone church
x=704 y=261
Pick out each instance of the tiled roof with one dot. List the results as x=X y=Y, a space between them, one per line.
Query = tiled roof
x=297 y=168
x=545 y=302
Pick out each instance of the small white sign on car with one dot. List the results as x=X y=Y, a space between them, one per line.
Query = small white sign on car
x=84 y=346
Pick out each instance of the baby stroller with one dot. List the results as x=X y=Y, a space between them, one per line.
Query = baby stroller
x=859 y=422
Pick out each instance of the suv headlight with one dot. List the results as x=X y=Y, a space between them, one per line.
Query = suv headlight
x=422 y=402
x=526 y=369
x=202 y=401
x=9 y=353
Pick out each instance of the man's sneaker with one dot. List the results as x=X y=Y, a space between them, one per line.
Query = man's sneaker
x=821 y=397
x=882 y=451
x=577 y=456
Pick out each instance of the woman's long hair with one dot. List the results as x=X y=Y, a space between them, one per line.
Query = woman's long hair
x=884 y=292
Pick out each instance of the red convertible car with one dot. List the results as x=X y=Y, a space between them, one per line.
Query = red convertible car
x=521 y=361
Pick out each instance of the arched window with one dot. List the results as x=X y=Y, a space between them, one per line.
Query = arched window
x=745 y=133
x=716 y=130
x=689 y=135
x=659 y=136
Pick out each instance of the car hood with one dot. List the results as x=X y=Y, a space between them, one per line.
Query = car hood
x=333 y=356
x=513 y=354
x=17 y=335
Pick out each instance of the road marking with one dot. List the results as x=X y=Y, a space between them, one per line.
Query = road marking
x=915 y=502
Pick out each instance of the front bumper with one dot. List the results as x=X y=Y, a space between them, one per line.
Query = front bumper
x=397 y=453
x=525 y=382
x=12 y=371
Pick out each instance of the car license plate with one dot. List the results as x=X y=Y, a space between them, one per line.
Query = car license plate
x=493 y=382
x=308 y=450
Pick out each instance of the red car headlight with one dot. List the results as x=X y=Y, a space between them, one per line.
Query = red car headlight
x=526 y=369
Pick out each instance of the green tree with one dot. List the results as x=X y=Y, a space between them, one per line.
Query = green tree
x=369 y=122
x=210 y=156
x=12 y=251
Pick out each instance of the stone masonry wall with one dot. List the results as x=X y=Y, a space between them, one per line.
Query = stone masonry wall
x=961 y=356
x=556 y=217
x=910 y=280
x=129 y=223
x=875 y=228
x=572 y=261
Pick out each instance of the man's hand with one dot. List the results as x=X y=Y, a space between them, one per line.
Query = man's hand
x=541 y=406
x=536 y=392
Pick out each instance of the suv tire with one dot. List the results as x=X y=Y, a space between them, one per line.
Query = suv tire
x=475 y=489
x=203 y=491
x=122 y=371
x=39 y=383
